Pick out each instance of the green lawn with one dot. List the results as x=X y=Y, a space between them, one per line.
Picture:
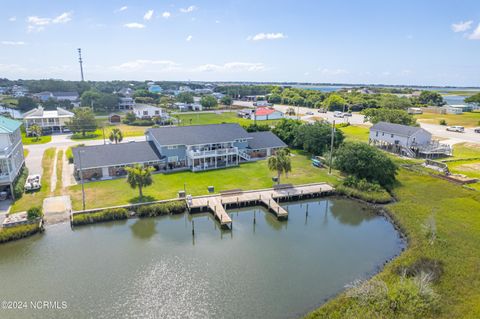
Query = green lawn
x=32 y=199
x=456 y=212
x=467 y=119
x=247 y=176
x=358 y=133
x=32 y=140
x=216 y=118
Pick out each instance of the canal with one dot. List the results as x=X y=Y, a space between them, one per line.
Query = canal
x=155 y=268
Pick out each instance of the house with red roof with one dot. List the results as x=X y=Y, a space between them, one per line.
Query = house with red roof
x=266 y=113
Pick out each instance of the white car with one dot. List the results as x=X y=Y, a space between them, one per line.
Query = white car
x=32 y=183
x=459 y=129
x=309 y=113
x=338 y=114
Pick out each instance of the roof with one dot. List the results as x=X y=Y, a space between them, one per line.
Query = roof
x=39 y=112
x=198 y=134
x=264 y=111
x=397 y=129
x=8 y=125
x=141 y=107
x=57 y=94
x=266 y=139
x=115 y=154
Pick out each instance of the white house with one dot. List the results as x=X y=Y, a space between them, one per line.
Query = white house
x=266 y=113
x=50 y=121
x=411 y=141
x=11 y=152
x=58 y=96
x=145 y=111
x=126 y=103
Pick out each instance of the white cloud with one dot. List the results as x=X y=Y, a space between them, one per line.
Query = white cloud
x=267 y=36
x=231 y=67
x=217 y=21
x=166 y=15
x=37 y=24
x=475 y=35
x=147 y=65
x=134 y=25
x=12 y=19
x=123 y=8
x=326 y=71
x=462 y=26
x=189 y=38
x=63 y=18
x=148 y=15
x=188 y=10
x=13 y=43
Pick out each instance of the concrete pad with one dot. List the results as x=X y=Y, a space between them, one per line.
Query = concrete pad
x=57 y=209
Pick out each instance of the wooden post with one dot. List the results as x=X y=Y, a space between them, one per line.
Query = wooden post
x=254 y=217
x=193 y=228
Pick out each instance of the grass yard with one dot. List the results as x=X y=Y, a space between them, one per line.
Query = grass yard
x=217 y=118
x=127 y=130
x=32 y=140
x=357 y=133
x=247 y=176
x=32 y=199
x=467 y=119
x=456 y=212
x=58 y=185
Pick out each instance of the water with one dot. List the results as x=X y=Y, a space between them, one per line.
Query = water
x=154 y=268
x=454 y=99
x=16 y=114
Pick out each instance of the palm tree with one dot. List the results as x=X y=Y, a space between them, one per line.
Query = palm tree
x=36 y=130
x=280 y=162
x=116 y=135
x=139 y=176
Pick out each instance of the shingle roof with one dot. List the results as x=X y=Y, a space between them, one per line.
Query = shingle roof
x=264 y=111
x=115 y=154
x=403 y=130
x=261 y=140
x=198 y=134
x=8 y=125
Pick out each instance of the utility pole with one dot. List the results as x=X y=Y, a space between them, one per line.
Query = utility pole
x=81 y=62
x=103 y=129
x=81 y=178
x=331 y=148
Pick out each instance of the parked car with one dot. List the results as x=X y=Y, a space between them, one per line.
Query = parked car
x=322 y=110
x=477 y=130
x=347 y=114
x=459 y=129
x=338 y=114
x=309 y=113
x=32 y=183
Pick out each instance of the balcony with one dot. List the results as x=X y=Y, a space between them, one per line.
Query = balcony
x=212 y=153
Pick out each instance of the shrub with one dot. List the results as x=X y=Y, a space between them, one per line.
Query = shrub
x=69 y=153
x=141 y=123
x=19 y=184
x=256 y=127
x=34 y=212
x=429 y=266
x=17 y=232
x=175 y=207
x=101 y=216
x=442 y=122
x=379 y=197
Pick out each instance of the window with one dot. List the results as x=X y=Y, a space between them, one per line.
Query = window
x=157 y=112
x=383 y=134
x=376 y=134
x=172 y=159
x=391 y=135
x=172 y=147
x=145 y=112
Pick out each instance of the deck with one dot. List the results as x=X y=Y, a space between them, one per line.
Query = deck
x=269 y=198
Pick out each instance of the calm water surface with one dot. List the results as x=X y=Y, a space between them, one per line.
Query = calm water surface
x=154 y=268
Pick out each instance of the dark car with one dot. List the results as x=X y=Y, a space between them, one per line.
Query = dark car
x=477 y=130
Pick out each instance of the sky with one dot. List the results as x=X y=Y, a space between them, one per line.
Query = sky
x=409 y=42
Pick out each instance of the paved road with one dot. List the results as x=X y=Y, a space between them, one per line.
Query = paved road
x=438 y=131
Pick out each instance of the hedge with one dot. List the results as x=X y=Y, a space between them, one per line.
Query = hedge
x=17 y=232
x=175 y=207
x=19 y=183
x=372 y=197
x=101 y=216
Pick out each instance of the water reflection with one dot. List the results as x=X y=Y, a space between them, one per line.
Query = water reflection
x=144 y=228
x=348 y=213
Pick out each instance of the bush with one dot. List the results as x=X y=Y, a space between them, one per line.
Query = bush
x=101 y=216
x=34 y=212
x=442 y=122
x=256 y=127
x=175 y=207
x=432 y=267
x=79 y=136
x=19 y=184
x=17 y=232
x=378 y=197
x=69 y=153
x=139 y=122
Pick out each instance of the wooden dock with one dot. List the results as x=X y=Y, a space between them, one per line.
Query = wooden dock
x=269 y=198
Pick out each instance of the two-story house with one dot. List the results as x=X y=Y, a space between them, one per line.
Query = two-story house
x=145 y=111
x=195 y=148
x=54 y=121
x=11 y=152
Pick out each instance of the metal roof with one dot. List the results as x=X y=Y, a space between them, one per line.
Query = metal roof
x=115 y=154
x=398 y=129
x=198 y=134
x=8 y=125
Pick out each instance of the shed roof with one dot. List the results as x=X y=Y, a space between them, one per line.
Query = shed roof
x=261 y=140
x=198 y=134
x=115 y=154
x=398 y=129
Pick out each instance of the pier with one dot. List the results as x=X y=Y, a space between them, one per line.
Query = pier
x=269 y=198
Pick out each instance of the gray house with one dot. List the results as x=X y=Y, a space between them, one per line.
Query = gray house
x=195 y=148
x=411 y=141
